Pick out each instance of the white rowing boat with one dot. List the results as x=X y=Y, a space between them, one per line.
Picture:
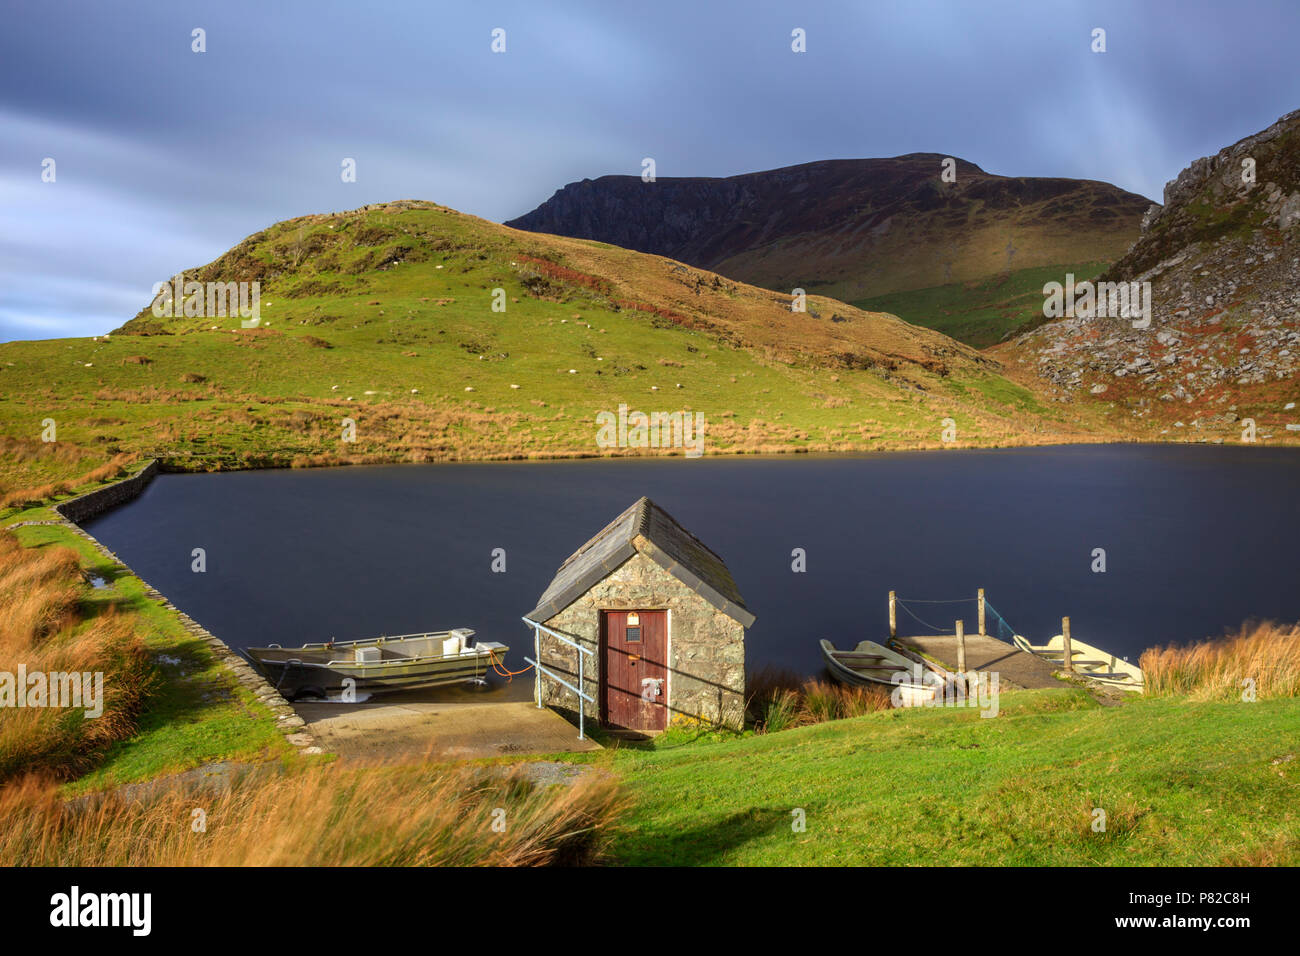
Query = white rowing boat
x=871 y=663
x=1088 y=661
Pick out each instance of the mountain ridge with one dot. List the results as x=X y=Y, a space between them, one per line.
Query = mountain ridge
x=852 y=229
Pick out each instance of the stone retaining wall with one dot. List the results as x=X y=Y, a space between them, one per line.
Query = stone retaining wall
x=289 y=723
x=102 y=499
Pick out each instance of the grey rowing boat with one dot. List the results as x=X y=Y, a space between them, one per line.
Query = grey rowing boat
x=379 y=664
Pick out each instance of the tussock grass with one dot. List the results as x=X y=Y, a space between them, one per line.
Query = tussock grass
x=42 y=629
x=1280 y=851
x=320 y=816
x=30 y=497
x=38 y=590
x=1266 y=653
x=17 y=448
x=778 y=699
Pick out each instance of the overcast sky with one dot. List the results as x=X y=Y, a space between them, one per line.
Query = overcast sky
x=166 y=157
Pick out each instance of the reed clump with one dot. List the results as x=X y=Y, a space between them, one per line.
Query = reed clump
x=1262 y=658
x=43 y=631
x=320 y=816
x=779 y=699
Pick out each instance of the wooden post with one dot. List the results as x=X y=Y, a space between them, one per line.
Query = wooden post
x=893 y=618
x=1065 y=645
x=982 y=631
x=961 y=647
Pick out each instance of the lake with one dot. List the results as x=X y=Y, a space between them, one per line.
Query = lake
x=1197 y=539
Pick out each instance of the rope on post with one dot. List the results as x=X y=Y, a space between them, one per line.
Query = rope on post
x=936 y=628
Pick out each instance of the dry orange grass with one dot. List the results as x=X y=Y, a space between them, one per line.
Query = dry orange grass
x=1267 y=654
x=29 y=449
x=39 y=590
x=760 y=319
x=30 y=497
x=41 y=629
x=321 y=816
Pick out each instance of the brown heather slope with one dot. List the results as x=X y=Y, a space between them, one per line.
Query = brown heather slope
x=383 y=315
x=852 y=229
x=1223 y=260
x=660 y=290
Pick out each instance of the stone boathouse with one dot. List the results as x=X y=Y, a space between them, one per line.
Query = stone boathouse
x=662 y=618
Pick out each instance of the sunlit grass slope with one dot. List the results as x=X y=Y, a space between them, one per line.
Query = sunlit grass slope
x=384 y=315
x=1181 y=782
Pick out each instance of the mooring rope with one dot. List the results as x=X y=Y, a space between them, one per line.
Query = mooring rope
x=500 y=667
x=933 y=627
x=1005 y=631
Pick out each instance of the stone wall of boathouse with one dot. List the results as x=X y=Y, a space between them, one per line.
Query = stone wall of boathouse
x=706 y=648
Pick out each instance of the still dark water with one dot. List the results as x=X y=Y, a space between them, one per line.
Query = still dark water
x=1197 y=539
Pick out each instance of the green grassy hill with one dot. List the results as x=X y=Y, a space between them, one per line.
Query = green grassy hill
x=984 y=311
x=384 y=315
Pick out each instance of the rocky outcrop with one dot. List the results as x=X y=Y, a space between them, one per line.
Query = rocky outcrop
x=1252 y=184
x=1223 y=259
x=1225 y=165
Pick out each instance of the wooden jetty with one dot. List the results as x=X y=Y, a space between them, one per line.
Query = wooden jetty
x=976 y=652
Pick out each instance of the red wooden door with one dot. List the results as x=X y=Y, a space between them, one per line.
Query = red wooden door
x=634 y=670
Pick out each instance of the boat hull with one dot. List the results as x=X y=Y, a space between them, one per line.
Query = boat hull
x=1090 y=662
x=292 y=678
x=387 y=664
x=871 y=664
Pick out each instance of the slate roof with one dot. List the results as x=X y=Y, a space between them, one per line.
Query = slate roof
x=647 y=528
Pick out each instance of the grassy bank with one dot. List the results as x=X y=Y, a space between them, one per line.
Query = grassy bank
x=1181 y=782
x=777 y=699
x=170 y=705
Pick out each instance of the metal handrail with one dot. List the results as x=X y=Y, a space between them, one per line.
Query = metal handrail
x=556 y=634
x=542 y=669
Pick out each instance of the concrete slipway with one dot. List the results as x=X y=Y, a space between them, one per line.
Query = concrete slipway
x=394 y=729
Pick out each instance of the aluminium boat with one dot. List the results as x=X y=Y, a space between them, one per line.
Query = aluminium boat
x=379 y=664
